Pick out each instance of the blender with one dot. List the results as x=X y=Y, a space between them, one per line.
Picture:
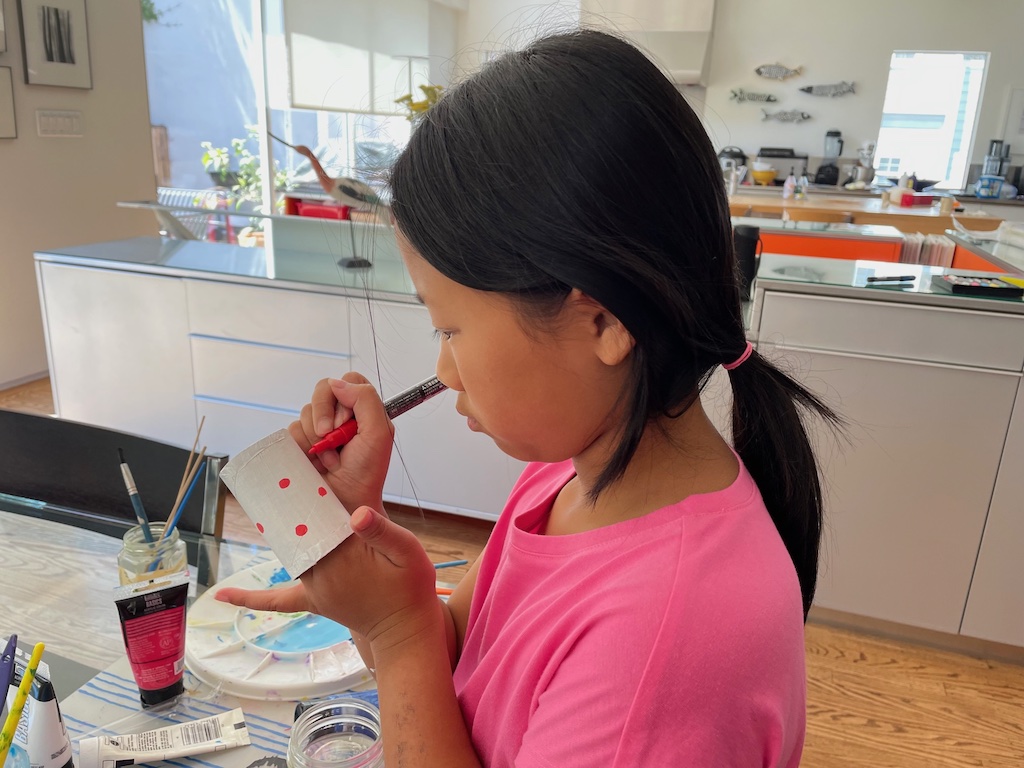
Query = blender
x=828 y=171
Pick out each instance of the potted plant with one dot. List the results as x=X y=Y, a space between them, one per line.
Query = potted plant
x=217 y=163
x=246 y=179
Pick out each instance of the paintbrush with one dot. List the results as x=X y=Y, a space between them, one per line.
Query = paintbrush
x=7 y=734
x=133 y=494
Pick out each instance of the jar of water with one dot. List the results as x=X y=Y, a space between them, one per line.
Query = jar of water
x=337 y=733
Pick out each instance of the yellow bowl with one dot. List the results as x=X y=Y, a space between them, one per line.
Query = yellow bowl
x=764 y=178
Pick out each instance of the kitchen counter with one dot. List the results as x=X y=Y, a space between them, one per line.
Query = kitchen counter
x=865 y=210
x=848 y=279
x=873 y=232
x=277 y=267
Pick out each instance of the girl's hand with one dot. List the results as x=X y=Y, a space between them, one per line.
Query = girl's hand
x=355 y=471
x=379 y=583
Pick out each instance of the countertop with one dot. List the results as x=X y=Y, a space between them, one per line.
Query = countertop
x=873 y=232
x=854 y=204
x=848 y=279
x=284 y=268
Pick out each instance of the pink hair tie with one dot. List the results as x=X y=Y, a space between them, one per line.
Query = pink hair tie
x=739 y=360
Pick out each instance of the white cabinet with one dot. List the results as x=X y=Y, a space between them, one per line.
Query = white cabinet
x=118 y=350
x=256 y=354
x=908 y=496
x=437 y=462
x=995 y=608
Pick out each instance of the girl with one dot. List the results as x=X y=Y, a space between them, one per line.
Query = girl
x=641 y=599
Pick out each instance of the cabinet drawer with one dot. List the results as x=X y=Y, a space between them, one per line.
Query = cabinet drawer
x=229 y=428
x=313 y=321
x=932 y=334
x=253 y=374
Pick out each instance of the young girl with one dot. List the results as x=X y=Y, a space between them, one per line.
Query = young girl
x=641 y=599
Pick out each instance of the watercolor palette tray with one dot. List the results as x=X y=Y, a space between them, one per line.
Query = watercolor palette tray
x=264 y=654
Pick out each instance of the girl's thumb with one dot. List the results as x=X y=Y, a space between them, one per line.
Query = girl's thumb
x=390 y=540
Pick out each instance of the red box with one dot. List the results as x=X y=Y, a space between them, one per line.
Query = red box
x=915 y=198
x=322 y=210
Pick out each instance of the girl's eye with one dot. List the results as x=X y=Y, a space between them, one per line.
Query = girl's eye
x=446 y=335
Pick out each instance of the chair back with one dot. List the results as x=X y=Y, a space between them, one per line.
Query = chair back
x=70 y=471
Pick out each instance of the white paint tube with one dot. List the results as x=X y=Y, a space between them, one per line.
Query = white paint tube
x=40 y=732
x=211 y=734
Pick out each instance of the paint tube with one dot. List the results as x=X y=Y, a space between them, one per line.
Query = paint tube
x=40 y=732
x=152 y=617
x=211 y=734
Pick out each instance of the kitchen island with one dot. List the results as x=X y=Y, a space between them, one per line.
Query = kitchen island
x=924 y=520
x=865 y=210
x=986 y=255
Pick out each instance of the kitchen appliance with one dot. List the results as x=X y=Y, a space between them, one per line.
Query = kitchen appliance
x=997 y=161
x=735 y=154
x=828 y=171
x=779 y=157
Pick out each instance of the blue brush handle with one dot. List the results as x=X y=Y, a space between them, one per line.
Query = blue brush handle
x=140 y=516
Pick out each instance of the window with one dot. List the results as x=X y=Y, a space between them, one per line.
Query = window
x=930 y=115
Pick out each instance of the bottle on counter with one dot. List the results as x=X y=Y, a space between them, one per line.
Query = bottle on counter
x=789 y=187
x=802 y=184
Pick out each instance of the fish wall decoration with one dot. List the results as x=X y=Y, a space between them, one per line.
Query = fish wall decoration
x=777 y=71
x=741 y=96
x=833 y=89
x=791 y=116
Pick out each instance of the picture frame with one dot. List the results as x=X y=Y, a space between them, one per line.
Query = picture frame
x=3 y=30
x=55 y=43
x=8 y=125
x=1013 y=131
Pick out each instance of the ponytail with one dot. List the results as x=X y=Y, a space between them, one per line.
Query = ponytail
x=770 y=438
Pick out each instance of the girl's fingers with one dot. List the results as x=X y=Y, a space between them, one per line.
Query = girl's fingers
x=286 y=600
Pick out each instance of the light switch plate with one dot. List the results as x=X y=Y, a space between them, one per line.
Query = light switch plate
x=61 y=123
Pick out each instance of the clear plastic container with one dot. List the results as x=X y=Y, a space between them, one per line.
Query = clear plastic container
x=337 y=733
x=140 y=560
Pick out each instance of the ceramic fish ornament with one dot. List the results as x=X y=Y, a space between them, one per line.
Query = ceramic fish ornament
x=834 y=89
x=741 y=96
x=777 y=71
x=792 y=116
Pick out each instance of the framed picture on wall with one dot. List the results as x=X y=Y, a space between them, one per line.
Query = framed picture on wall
x=8 y=127
x=55 y=43
x=3 y=29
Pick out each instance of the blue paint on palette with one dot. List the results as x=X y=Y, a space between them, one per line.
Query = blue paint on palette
x=311 y=634
x=280 y=576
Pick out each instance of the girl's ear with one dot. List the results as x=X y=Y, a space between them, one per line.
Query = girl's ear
x=613 y=343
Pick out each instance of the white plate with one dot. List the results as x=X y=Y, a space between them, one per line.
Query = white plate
x=268 y=655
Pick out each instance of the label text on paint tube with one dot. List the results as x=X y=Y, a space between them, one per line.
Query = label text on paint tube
x=210 y=734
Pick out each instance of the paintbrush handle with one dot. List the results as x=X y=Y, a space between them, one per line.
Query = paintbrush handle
x=7 y=734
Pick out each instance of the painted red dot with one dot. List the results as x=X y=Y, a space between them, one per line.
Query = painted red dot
x=322 y=491
x=301 y=530
x=284 y=482
x=259 y=527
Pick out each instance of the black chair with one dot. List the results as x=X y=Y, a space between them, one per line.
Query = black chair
x=70 y=472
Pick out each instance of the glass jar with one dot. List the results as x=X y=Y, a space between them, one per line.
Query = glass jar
x=337 y=733
x=140 y=560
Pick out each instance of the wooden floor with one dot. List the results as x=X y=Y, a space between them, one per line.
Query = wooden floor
x=872 y=702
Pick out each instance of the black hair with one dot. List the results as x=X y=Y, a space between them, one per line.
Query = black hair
x=575 y=163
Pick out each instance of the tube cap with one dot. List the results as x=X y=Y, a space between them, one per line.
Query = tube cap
x=89 y=752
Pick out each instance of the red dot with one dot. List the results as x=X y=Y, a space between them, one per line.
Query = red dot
x=301 y=530
x=259 y=527
x=284 y=482
x=322 y=491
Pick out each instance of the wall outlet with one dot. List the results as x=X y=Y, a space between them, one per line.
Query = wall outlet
x=62 y=123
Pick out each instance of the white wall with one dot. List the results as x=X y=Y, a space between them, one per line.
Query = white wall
x=497 y=25
x=56 y=192
x=851 y=41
